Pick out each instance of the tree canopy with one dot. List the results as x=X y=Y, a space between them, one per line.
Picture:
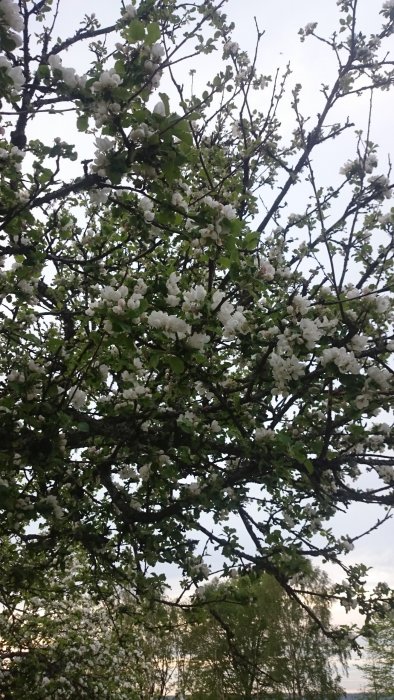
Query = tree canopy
x=378 y=662
x=248 y=639
x=174 y=342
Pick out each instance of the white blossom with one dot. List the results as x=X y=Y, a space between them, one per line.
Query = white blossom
x=141 y=133
x=107 y=79
x=178 y=201
x=344 y=360
x=285 y=369
x=172 y=283
x=149 y=216
x=381 y=185
x=370 y=163
x=386 y=219
x=99 y=196
x=266 y=270
x=10 y=15
x=70 y=77
x=157 y=51
x=261 y=434
x=204 y=570
x=230 y=48
x=53 y=502
x=145 y=204
x=109 y=293
x=311 y=332
x=229 y=212
x=351 y=167
x=34 y=367
x=14 y=73
x=359 y=342
x=198 y=340
x=129 y=12
x=194 y=297
x=169 y=323
x=173 y=298
x=300 y=305
x=145 y=472
x=210 y=202
x=232 y=318
x=77 y=397
x=55 y=62
x=159 y=109
x=381 y=377
x=194 y=488
x=236 y=323
x=346 y=544
x=309 y=28
x=386 y=473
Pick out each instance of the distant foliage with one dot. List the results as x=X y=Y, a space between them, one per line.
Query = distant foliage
x=378 y=666
x=248 y=639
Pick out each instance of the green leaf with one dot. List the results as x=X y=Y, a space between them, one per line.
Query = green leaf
x=119 y=326
x=153 y=33
x=8 y=43
x=170 y=171
x=175 y=363
x=45 y=175
x=308 y=465
x=182 y=131
x=199 y=358
x=117 y=167
x=235 y=225
x=154 y=359
x=43 y=72
x=251 y=240
x=136 y=31
x=82 y=122
x=231 y=248
x=224 y=263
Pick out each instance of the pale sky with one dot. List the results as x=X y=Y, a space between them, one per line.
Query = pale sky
x=311 y=64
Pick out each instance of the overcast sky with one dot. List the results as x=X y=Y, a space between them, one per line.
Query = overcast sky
x=312 y=64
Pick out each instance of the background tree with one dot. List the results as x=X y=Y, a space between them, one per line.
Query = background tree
x=378 y=665
x=230 y=644
x=310 y=660
x=249 y=639
x=174 y=341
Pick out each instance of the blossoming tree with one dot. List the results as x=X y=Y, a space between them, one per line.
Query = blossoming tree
x=72 y=637
x=174 y=342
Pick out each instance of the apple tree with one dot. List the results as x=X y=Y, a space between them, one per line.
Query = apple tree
x=182 y=358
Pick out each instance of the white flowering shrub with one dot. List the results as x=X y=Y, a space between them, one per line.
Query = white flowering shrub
x=167 y=350
x=75 y=639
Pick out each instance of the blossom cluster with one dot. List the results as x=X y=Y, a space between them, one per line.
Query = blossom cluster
x=68 y=75
x=11 y=19
x=232 y=318
x=14 y=75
